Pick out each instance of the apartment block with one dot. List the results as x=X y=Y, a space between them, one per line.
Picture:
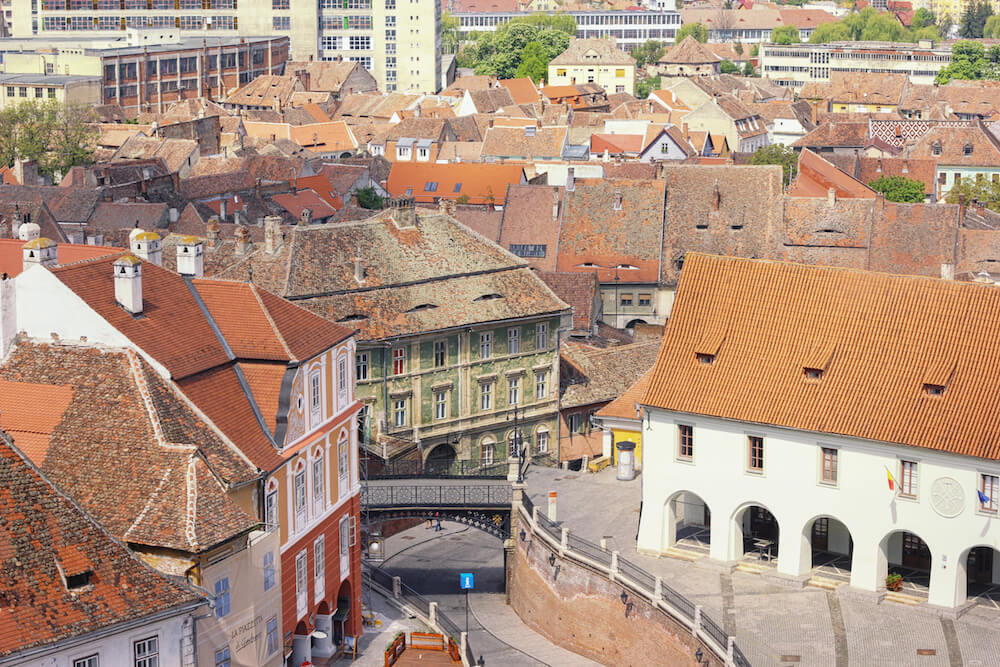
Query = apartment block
x=398 y=41
x=797 y=64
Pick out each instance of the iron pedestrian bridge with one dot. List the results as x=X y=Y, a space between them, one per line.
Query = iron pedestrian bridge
x=464 y=492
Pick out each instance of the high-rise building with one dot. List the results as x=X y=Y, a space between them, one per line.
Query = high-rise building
x=398 y=41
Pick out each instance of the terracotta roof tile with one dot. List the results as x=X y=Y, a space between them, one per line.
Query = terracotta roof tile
x=427 y=182
x=12 y=260
x=602 y=374
x=579 y=290
x=531 y=217
x=43 y=529
x=624 y=407
x=689 y=52
x=888 y=334
x=578 y=50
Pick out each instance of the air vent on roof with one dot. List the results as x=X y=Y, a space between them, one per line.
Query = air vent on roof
x=588 y=265
x=933 y=389
x=626 y=266
x=354 y=317
x=488 y=297
x=422 y=306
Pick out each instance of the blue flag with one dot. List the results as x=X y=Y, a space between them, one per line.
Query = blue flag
x=983 y=498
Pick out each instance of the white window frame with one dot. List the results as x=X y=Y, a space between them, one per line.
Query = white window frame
x=542 y=336
x=514 y=390
x=319 y=568
x=271 y=635
x=150 y=657
x=300 y=501
x=542 y=440
x=267 y=564
x=88 y=661
x=345 y=547
x=441 y=404
x=343 y=464
x=315 y=396
x=541 y=384
x=485 y=344
x=318 y=483
x=514 y=340
x=342 y=381
x=223 y=597
x=485 y=396
x=361 y=365
x=486 y=452
x=301 y=583
x=399 y=413
x=271 y=506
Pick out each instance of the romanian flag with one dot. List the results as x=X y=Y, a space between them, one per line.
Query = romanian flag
x=892 y=480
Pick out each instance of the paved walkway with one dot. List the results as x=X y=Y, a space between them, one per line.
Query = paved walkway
x=774 y=625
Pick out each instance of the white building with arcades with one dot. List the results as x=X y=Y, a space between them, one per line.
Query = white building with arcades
x=786 y=395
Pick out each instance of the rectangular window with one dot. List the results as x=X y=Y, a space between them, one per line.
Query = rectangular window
x=440 y=353
x=342 y=381
x=513 y=340
x=644 y=299
x=908 y=479
x=319 y=567
x=272 y=635
x=542 y=336
x=513 y=390
x=361 y=365
x=301 y=583
x=576 y=423
x=626 y=299
x=485 y=345
x=755 y=445
x=343 y=463
x=271 y=510
x=345 y=546
x=685 y=441
x=319 y=486
x=542 y=442
x=440 y=404
x=281 y=23
x=89 y=661
x=222 y=658
x=541 y=384
x=399 y=361
x=399 y=412
x=147 y=652
x=486 y=396
x=222 y=597
x=268 y=570
x=299 y=485
x=486 y=455
x=315 y=396
x=829 y=465
x=990 y=487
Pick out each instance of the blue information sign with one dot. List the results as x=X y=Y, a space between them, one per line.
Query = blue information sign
x=467 y=580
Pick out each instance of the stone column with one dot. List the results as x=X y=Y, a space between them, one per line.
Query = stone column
x=794 y=552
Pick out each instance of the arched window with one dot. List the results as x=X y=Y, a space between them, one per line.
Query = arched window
x=299 y=493
x=271 y=505
x=318 y=481
x=514 y=442
x=486 y=447
x=343 y=462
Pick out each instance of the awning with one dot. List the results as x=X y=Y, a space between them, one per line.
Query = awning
x=343 y=606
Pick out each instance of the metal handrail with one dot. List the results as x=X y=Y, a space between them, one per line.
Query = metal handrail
x=444 y=495
x=457 y=469
x=635 y=579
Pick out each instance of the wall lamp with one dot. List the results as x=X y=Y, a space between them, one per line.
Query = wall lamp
x=624 y=597
x=522 y=534
x=552 y=559
x=698 y=655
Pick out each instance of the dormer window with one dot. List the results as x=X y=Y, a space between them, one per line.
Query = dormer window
x=704 y=358
x=529 y=130
x=79 y=580
x=813 y=373
x=936 y=148
x=933 y=389
x=967 y=149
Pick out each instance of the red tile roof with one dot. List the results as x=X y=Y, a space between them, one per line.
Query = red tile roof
x=878 y=338
x=44 y=530
x=12 y=260
x=817 y=177
x=481 y=183
x=31 y=412
x=321 y=185
x=296 y=203
x=522 y=91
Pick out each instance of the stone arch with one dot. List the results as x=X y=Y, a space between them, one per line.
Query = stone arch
x=910 y=555
x=978 y=570
x=632 y=323
x=827 y=541
x=750 y=523
x=440 y=459
x=686 y=516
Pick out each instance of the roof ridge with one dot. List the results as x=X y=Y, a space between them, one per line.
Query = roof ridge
x=270 y=320
x=139 y=378
x=191 y=511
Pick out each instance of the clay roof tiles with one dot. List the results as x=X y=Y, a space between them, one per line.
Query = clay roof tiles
x=607 y=371
x=579 y=52
x=689 y=51
x=884 y=346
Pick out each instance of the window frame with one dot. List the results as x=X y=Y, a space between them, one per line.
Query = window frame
x=271 y=635
x=269 y=570
x=150 y=658
x=441 y=404
x=485 y=396
x=223 y=657
x=318 y=483
x=541 y=385
x=487 y=451
x=685 y=432
x=300 y=502
x=440 y=352
x=485 y=344
x=361 y=365
x=755 y=462
x=909 y=480
x=542 y=438
x=223 y=597
x=514 y=340
x=319 y=567
x=514 y=390
x=831 y=454
x=315 y=395
x=542 y=336
x=398 y=360
x=92 y=660
x=399 y=412
x=994 y=507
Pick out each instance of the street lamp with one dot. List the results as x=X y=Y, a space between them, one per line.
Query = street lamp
x=519 y=448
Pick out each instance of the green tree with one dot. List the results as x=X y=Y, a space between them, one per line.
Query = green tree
x=564 y=22
x=728 y=67
x=984 y=191
x=780 y=155
x=835 y=31
x=992 y=28
x=534 y=63
x=501 y=53
x=748 y=69
x=696 y=30
x=57 y=136
x=899 y=188
x=449 y=33
x=644 y=86
x=738 y=48
x=922 y=18
x=648 y=52
x=869 y=25
x=944 y=24
x=786 y=34
x=968 y=61
x=369 y=198
x=974 y=18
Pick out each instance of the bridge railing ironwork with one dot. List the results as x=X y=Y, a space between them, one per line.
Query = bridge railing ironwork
x=457 y=469
x=440 y=495
x=570 y=546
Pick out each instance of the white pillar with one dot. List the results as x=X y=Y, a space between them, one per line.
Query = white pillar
x=869 y=565
x=727 y=538
x=794 y=551
x=945 y=590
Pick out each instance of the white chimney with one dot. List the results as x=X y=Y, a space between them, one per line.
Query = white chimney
x=128 y=283
x=570 y=179
x=272 y=233
x=947 y=271
x=147 y=246
x=173 y=215
x=190 y=259
x=8 y=314
x=359 y=268
x=28 y=231
x=222 y=209
x=555 y=204
x=39 y=251
x=831 y=197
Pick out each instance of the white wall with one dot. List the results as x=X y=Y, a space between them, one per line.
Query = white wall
x=790 y=488
x=116 y=649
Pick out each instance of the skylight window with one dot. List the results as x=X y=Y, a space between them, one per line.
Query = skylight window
x=488 y=297
x=933 y=389
x=422 y=306
x=353 y=317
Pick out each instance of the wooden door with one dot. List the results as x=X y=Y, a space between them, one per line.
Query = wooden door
x=821 y=534
x=763 y=524
x=980 y=565
x=915 y=553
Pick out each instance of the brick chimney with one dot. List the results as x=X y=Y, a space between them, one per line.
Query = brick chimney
x=146 y=245
x=128 y=283
x=190 y=257
x=618 y=199
x=243 y=240
x=403 y=212
x=272 y=234
x=716 y=196
x=305 y=218
x=39 y=251
x=212 y=232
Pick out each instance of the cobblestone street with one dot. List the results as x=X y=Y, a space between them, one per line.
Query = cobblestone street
x=773 y=624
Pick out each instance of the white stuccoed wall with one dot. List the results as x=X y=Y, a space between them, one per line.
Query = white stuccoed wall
x=790 y=488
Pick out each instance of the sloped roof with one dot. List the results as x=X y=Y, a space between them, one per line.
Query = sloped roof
x=579 y=290
x=522 y=91
x=12 y=261
x=879 y=348
x=482 y=183
x=44 y=530
x=816 y=177
x=606 y=372
x=593 y=51
x=689 y=52
x=624 y=407
x=545 y=142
